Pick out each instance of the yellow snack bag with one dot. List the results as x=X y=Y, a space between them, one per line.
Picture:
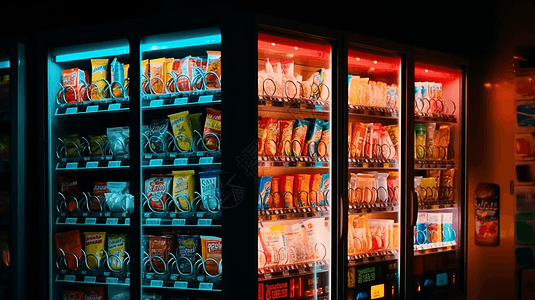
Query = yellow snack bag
x=93 y=246
x=184 y=188
x=182 y=129
x=168 y=69
x=116 y=249
x=99 y=75
x=157 y=71
x=145 y=78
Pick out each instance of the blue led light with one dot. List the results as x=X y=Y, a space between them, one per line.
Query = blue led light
x=92 y=53
x=4 y=64
x=429 y=282
x=362 y=295
x=182 y=43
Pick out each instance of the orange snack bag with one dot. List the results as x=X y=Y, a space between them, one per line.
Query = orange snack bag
x=71 y=243
x=286 y=190
x=272 y=138
x=94 y=293
x=159 y=246
x=157 y=71
x=285 y=145
x=301 y=190
x=275 y=193
x=99 y=75
x=77 y=79
x=167 y=69
x=263 y=127
x=357 y=140
x=314 y=196
x=212 y=125
x=211 y=249
x=73 y=295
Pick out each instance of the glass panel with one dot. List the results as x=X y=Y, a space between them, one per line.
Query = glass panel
x=437 y=147
x=294 y=150
x=181 y=165
x=88 y=171
x=374 y=178
x=5 y=177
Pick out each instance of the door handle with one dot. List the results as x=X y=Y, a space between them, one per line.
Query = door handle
x=414 y=208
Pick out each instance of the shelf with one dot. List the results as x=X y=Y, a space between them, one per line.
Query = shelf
x=93 y=107
x=181 y=220
x=378 y=256
x=371 y=163
x=291 y=161
x=293 y=213
x=298 y=106
x=90 y=279
x=433 y=164
x=373 y=208
x=93 y=221
x=435 y=118
x=93 y=165
x=299 y=269
x=436 y=205
x=433 y=248
x=375 y=112
x=177 y=100
x=174 y=281
x=193 y=161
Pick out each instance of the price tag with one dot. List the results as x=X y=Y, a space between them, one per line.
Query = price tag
x=114 y=164
x=364 y=165
x=181 y=285
x=386 y=165
x=206 y=98
x=127 y=221
x=90 y=279
x=269 y=103
x=156 y=283
x=156 y=103
x=204 y=222
x=71 y=110
x=318 y=107
x=156 y=162
x=70 y=220
x=112 y=280
x=285 y=273
x=181 y=101
x=114 y=106
x=206 y=160
x=207 y=286
x=302 y=106
x=318 y=164
x=112 y=221
x=178 y=222
x=91 y=221
x=180 y=161
x=153 y=221
x=91 y=164
x=70 y=277
x=71 y=165
x=92 y=108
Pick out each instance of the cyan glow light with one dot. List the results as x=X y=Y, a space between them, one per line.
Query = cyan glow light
x=188 y=42
x=92 y=53
x=4 y=64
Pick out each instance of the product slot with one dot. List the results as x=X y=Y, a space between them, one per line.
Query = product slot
x=182 y=285
x=295 y=106
x=93 y=107
x=182 y=222
x=277 y=272
x=106 y=280
x=379 y=256
x=434 y=248
x=180 y=100
x=92 y=221
x=93 y=165
x=373 y=112
x=293 y=213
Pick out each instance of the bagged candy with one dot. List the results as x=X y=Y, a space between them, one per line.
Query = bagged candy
x=181 y=126
x=93 y=246
x=184 y=188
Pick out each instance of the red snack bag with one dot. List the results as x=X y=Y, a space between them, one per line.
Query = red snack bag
x=69 y=187
x=157 y=188
x=77 y=79
x=159 y=246
x=313 y=196
x=286 y=130
x=286 y=190
x=301 y=190
x=263 y=128
x=272 y=137
x=71 y=243
x=94 y=293
x=212 y=125
x=99 y=189
x=275 y=193
x=73 y=295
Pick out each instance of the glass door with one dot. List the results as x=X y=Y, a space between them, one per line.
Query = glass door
x=438 y=175
x=294 y=167
x=181 y=165
x=5 y=177
x=374 y=164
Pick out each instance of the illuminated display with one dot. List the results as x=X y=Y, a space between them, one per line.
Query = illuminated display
x=366 y=275
x=377 y=291
x=4 y=64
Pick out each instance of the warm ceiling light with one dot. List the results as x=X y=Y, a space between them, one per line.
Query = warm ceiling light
x=358 y=59
x=272 y=44
x=296 y=48
x=426 y=70
x=372 y=69
x=375 y=62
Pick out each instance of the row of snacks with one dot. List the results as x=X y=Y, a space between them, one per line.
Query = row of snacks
x=371 y=187
x=98 y=292
x=366 y=92
x=437 y=185
x=169 y=75
x=367 y=235
x=300 y=137
x=434 y=228
x=427 y=90
x=293 y=191
x=187 y=249
x=431 y=142
x=184 y=124
x=312 y=286
x=278 y=79
x=180 y=185
x=115 y=141
x=291 y=242
x=373 y=140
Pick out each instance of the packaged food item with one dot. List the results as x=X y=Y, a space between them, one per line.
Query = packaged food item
x=419 y=142
x=275 y=194
x=4 y=248
x=117 y=76
x=366 y=185
x=93 y=246
x=324 y=191
x=449 y=234
x=70 y=243
x=294 y=236
x=357 y=140
x=119 y=203
x=214 y=65
x=355 y=193
x=301 y=190
x=273 y=238
x=187 y=66
x=446 y=183
x=442 y=141
x=117 y=292
x=69 y=188
x=187 y=248
x=324 y=145
x=314 y=194
x=211 y=249
x=98 y=143
x=367 y=149
x=430 y=185
x=394 y=137
x=116 y=250
x=387 y=146
x=287 y=190
x=158 y=135
x=353 y=90
x=159 y=246
x=210 y=189
x=285 y=145
x=434 y=227
x=73 y=295
x=420 y=230
x=196 y=123
x=313 y=136
x=276 y=75
x=264 y=188
x=77 y=79
x=184 y=188
x=362 y=240
x=94 y=293
x=119 y=139
x=315 y=236
x=181 y=126
x=72 y=144
x=379 y=232
x=381 y=185
x=212 y=126
x=99 y=74
x=168 y=69
x=157 y=75
x=393 y=186
x=298 y=137
x=395 y=235
x=432 y=153
x=267 y=127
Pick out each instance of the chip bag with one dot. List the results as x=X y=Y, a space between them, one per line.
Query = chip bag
x=275 y=193
x=284 y=147
x=211 y=249
x=313 y=136
x=314 y=194
x=157 y=75
x=186 y=248
x=212 y=126
x=73 y=295
x=99 y=73
x=264 y=188
x=70 y=243
x=298 y=137
x=97 y=144
x=210 y=189
x=301 y=190
x=159 y=246
x=181 y=126
x=72 y=144
x=116 y=250
x=94 y=244
x=94 y=293
x=287 y=190
x=184 y=188
x=69 y=188
x=324 y=145
x=158 y=135
x=266 y=138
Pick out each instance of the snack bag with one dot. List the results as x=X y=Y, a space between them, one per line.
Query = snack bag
x=157 y=75
x=446 y=183
x=168 y=69
x=119 y=138
x=99 y=189
x=442 y=140
x=298 y=137
x=213 y=65
x=159 y=246
x=393 y=132
x=293 y=241
x=73 y=295
x=145 y=71
x=393 y=187
x=77 y=79
x=72 y=144
x=366 y=184
x=264 y=188
x=284 y=147
x=97 y=144
x=196 y=123
x=117 y=76
x=93 y=246
x=275 y=193
x=434 y=227
x=385 y=140
x=69 y=187
x=99 y=73
x=367 y=148
x=184 y=188
x=324 y=192
x=357 y=140
x=314 y=194
x=211 y=248
x=265 y=125
x=119 y=203
x=301 y=190
x=94 y=293
x=181 y=126
x=118 y=292
x=69 y=242
x=210 y=189
x=324 y=145
x=212 y=126
x=313 y=136
x=353 y=197
x=187 y=248
x=429 y=188
x=116 y=250
x=158 y=135
x=286 y=190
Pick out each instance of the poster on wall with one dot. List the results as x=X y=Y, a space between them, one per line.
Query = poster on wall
x=487 y=215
